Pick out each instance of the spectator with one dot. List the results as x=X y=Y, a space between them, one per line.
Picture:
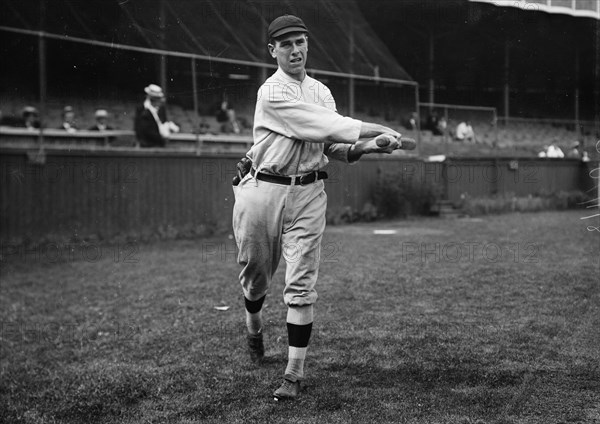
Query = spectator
x=411 y=122
x=442 y=126
x=231 y=126
x=101 y=124
x=152 y=129
x=226 y=116
x=68 y=117
x=31 y=120
x=574 y=153
x=464 y=132
x=585 y=157
x=554 y=152
x=432 y=122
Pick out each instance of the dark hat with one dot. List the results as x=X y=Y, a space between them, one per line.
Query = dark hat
x=67 y=109
x=284 y=25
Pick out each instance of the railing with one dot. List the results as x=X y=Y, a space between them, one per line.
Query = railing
x=118 y=139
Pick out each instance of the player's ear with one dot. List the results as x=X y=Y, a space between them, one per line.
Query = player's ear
x=272 y=50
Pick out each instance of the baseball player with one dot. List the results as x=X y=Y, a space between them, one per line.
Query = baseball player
x=280 y=200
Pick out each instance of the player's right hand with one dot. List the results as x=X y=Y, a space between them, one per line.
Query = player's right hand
x=242 y=169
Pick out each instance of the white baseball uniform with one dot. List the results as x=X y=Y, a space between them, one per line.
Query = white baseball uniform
x=295 y=123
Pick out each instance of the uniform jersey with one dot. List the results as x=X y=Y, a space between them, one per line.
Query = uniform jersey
x=295 y=123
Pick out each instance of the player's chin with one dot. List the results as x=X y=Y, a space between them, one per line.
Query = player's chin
x=296 y=66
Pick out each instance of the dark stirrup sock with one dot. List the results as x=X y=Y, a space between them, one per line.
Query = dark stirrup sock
x=254 y=315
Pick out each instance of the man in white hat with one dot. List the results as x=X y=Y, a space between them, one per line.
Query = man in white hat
x=152 y=129
x=31 y=119
x=101 y=124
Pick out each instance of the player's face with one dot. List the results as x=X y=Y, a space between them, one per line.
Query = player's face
x=291 y=52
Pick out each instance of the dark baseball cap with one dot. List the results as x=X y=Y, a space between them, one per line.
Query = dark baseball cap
x=284 y=25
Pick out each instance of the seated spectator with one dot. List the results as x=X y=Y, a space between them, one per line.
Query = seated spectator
x=411 y=122
x=432 y=122
x=442 y=126
x=101 y=124
x=574 y=153
x=464 y=132
x=152 y=129
x=31 y=120
x=554 y=152
x=585 y=157
x=68 y=117
x=204 y=128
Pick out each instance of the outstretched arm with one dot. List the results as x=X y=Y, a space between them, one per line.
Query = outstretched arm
x=369 y=130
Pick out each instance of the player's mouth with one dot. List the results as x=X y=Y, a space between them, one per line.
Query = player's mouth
x=296 y=60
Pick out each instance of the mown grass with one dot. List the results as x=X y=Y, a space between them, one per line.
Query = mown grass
x=501 y=325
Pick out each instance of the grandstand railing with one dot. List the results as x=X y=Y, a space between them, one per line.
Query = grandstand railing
x=118 y=139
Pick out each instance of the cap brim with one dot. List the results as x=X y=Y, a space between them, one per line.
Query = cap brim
x=287 y=30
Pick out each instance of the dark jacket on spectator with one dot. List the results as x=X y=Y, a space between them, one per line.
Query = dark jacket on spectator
x=146 y=128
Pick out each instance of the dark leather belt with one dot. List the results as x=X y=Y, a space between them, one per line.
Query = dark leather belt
x=280 y=179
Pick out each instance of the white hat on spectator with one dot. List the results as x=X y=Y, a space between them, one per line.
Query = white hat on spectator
x=154 y=90
x=101 y=113
x=29 y=110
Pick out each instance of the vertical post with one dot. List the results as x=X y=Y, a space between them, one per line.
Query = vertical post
x=42 y=71
x=196 y=115
x=163 y=58
x=195 y=89
x=506 y=80
x=351 y=79
x=446 y=138
x=431 y=69
x=417 y=101
x=597 y=78
x=495 y=123
x=576 y=94
x=262 y=75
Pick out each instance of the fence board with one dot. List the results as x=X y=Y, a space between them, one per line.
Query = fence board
x=115 y=193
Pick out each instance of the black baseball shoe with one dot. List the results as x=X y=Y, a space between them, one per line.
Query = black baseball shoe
x=287 y=391
x=256 y=348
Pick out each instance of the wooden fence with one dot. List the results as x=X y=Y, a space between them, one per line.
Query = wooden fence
x=110 y=193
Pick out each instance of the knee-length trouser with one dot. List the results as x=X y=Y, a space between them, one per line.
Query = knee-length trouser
x=272 y=219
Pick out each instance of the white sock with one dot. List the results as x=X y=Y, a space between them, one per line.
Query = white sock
x=295 y=365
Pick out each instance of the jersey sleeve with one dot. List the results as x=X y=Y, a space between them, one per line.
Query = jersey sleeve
x=285 y=113
x=337 y=151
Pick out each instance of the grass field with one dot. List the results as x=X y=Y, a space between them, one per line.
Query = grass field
x=491 y=320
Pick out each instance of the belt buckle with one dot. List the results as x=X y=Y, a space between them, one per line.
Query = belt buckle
x=309 y=178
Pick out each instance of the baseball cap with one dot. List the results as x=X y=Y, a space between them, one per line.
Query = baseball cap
x=101 y=113
x=284 y=25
